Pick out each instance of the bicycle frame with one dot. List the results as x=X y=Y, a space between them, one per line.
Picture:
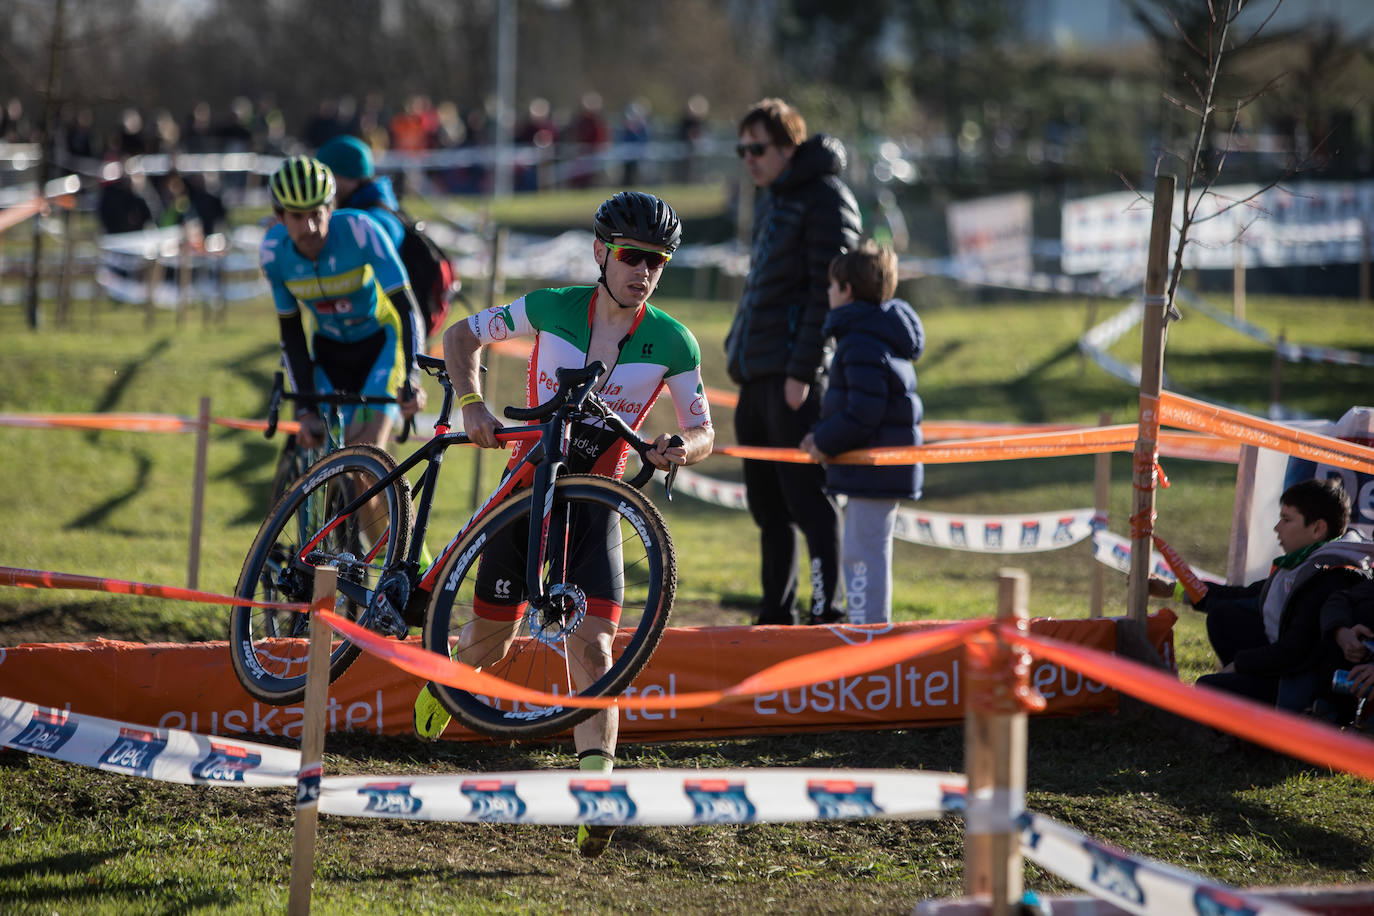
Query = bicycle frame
x=547 y=457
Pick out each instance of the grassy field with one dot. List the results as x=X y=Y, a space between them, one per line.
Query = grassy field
x=118 y=504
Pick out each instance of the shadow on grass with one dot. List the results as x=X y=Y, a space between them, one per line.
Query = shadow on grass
x=1148 y=760
x=125 y=377
x=96 y=516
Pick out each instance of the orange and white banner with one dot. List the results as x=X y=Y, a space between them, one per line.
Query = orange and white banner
x=193 y=686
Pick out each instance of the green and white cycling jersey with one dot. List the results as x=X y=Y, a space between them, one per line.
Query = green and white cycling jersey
x=658 y=352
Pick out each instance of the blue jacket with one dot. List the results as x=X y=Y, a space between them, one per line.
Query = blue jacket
x=872 y=400
x=375 y=197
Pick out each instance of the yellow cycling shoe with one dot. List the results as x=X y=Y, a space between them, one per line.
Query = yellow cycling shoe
x=593 y=840
x=431 y=718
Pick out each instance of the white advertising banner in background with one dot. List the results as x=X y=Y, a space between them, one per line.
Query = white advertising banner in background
x=1303 y=223
x=1276 y=472
x=992 y=232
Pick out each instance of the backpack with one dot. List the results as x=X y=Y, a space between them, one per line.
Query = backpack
x=432 y=275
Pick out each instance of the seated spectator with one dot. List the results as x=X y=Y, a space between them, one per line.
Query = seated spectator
x=1267 y=634
x=1347 y=621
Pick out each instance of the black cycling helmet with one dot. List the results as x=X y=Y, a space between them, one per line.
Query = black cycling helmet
x=301 y=183
x=636 y=215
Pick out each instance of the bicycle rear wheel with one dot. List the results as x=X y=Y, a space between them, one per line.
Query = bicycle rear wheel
x=609 y=551
x=268 y=646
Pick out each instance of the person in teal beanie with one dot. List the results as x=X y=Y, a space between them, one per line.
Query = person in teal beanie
x=360 y=187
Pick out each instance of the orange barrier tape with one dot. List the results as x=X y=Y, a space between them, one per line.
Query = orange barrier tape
x=1194 y=586
x=128 y=422
x=1232 y=424
x=1034 y=441
x=828 y=664
x=1081 y=441
x=1175 y=445
x=1293 y=735
x=38 y=578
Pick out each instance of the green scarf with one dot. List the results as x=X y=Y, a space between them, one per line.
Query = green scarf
x=1294 y=560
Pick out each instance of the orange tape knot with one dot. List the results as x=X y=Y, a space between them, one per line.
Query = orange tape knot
x=998 y=675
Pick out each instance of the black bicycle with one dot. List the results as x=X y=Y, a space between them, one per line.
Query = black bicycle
x=559 y=582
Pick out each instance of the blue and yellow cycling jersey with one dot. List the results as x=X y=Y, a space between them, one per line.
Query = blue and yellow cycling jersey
x=345 y=289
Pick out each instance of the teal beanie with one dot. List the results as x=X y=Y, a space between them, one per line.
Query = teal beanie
x=347 y=157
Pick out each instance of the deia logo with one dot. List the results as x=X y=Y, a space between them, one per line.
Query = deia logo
x=953 y=799
x=836 y=798
x=600 y=801
x=1216 y=901
x=134 y=751
x=1029 y=835
x=493 y=800
x=46 y=732
x=957 y=536
x=1030 y=534
x=225 y=763
x=308 y=785
x=1114 y=873
x=1063 y=531
x=716 y=801
x=390 y=798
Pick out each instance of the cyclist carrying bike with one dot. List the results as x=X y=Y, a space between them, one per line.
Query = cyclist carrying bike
x=646 y=350
x=345 y=272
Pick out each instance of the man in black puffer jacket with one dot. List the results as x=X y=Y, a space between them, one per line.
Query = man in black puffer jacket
x=803 y=218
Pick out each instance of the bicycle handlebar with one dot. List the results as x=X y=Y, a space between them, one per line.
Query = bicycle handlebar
x=279 y=393
x=569 y=383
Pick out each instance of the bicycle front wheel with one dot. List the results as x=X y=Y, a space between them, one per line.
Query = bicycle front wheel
x=269 y=647
x=608 y=584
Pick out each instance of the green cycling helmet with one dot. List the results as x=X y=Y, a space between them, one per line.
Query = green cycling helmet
x=301 y=183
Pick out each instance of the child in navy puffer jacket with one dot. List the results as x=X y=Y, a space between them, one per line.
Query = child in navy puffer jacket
x=871 y=403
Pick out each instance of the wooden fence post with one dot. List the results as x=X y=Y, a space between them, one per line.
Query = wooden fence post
x=1238 y=280
x=995 y=765
x=495 y=288
x=198 y=493
x=312 y=746
x=1151 y=383
x=1240 y=515
x=1102 y=491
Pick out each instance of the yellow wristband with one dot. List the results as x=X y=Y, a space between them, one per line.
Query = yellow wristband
x=471 y=397
x=1180 y=592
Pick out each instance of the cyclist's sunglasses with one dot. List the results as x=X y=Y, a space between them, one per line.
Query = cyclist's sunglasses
x=628 y=254
x=750 y=149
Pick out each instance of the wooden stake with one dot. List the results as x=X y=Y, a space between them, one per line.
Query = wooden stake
x=1276 y=376
x=1238 y=281
x=1151 y=383
x=495 y=287
x=312 y=746
x=1102 y=487
x=1240 y=515
x=198 y=493
x=995 y=764
x=1364 y=263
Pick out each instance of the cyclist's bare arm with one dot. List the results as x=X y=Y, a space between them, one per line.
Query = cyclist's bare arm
x=461 y=356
